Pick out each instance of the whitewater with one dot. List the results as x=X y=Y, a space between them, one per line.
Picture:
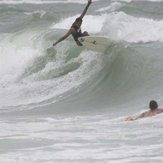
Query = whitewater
x=68 y=104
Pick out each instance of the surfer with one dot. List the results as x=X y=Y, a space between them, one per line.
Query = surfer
x=153 y=111
x=75 y=30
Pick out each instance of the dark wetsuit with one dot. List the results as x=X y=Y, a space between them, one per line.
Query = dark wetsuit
x=77 y=34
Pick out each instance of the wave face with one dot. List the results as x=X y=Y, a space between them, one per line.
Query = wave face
x=33 y=73
x=73 y=94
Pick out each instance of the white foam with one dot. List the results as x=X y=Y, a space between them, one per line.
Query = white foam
x=132 y=29
x=15 y=53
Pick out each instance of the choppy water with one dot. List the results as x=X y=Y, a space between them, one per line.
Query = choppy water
x=68 y=104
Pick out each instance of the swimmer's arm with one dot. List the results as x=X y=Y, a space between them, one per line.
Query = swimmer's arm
x=134 y=118
x=160 y=110
x=142 y=115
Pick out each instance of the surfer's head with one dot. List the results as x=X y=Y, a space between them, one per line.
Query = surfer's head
x=153 y=105
x=78 y=22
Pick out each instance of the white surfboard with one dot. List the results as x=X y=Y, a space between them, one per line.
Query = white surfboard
x=96 y=43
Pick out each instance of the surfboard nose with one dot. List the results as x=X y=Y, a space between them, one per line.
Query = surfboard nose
x=96 y=43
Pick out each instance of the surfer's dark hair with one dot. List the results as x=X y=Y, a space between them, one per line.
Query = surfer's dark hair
x=79 y=19
x=153 y=105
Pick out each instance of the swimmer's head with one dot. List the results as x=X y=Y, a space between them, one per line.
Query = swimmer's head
x=153 y=105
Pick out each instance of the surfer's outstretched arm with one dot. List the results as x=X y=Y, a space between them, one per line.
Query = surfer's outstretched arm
x=86 y=8
x=63 y=37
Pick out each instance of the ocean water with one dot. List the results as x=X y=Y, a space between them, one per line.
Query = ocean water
x=68 y=104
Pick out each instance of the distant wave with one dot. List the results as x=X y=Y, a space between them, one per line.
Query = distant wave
x=137 y=0
x=112 y=7
x=41 y=1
